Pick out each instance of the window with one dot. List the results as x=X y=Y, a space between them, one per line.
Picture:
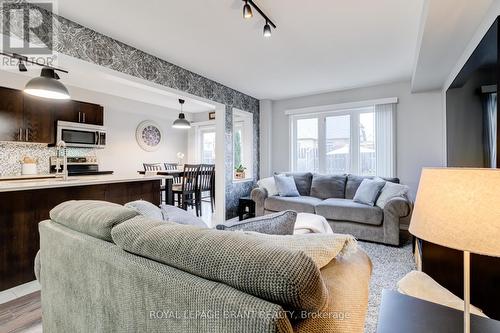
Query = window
x=207 y=145
x=307 y=144
x=242 y=145
x=358 y=141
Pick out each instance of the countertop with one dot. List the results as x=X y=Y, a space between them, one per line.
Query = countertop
x=22 y=184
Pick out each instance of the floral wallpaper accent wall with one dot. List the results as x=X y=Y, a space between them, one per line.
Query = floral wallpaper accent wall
x=75 y=40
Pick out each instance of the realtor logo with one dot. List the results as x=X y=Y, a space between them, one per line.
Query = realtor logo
x=27 y=27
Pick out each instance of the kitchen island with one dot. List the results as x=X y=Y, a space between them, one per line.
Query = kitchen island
x=26 y=202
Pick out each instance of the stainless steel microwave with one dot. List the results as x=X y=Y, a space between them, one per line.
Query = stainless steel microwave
x=81 y=135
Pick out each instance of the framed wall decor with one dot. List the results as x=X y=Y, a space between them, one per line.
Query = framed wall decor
x=149 y=135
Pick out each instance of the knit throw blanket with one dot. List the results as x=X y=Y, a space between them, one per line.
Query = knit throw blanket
x=321 y=248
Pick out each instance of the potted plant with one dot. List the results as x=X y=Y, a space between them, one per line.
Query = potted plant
x=239 y=172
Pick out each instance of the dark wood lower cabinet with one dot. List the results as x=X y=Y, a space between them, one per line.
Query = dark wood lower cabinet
x=21 y=211
x=445 y=265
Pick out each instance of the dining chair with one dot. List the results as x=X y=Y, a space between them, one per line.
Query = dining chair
x=152 y=166
x=186 y=191
x=163 y=187
x=205 y=184
x=174 y=167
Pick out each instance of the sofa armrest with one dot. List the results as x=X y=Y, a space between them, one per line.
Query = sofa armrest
x=259 y=196
x=400 y=207
x=397 y=211
x=281 y=223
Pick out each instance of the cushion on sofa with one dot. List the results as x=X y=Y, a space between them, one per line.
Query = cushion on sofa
x=369 y=191
x=269 y=184
x=328 y=186
x=286 y=186
x=389 y=191
x=303 y=181
x=281 y=223
x=145 y=208
x=348 y=210
x=302 y=204
x=177 y=215
x=94 y=218
x=354 y=181
x=246 y=262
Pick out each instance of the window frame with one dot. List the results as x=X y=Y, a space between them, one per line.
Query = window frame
x=354 y=142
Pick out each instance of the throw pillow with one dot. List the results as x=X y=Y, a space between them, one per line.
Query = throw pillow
x=177 y=215
x=269 y=184
x=389 y=191
x=281 y=223
x=145 y=208
x=286 y=186
x=368 y=191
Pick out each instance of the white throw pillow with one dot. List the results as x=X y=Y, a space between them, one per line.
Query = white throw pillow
x=269 y=184
x=389 y=191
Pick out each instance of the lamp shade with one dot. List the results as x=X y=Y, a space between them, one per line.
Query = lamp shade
x=459 y=208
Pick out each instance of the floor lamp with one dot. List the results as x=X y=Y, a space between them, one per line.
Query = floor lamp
x=459 y=208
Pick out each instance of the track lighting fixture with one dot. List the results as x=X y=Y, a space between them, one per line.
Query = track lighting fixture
x=247 y=13
x=267 y=30
x=181 y=122
x=47 y=84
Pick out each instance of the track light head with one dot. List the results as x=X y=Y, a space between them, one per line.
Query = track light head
x=267 y=30
x=247 y=11
x=22 y=66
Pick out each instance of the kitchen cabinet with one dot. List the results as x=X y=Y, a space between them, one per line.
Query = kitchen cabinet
x=11 y=114
x=88 y=113
x=39 y=121
x=23 y=210
x=28 y=118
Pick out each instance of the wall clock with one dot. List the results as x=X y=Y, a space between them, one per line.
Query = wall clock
x=148 y=135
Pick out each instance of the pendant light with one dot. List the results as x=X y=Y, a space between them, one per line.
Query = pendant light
x=47 y=85
x=247 y=11
x=181 y=122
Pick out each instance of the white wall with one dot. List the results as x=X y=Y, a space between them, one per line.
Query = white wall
x=122 y=153
x=420 y=129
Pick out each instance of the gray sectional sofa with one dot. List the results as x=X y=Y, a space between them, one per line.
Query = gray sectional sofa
x=331 y=197
x=105 y=268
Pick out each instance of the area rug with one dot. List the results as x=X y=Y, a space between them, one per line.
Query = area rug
x=390 y=264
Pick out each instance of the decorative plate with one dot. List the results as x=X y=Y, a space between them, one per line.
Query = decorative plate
x=148 y=135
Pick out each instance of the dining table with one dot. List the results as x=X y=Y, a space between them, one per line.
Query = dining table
x=169 y=182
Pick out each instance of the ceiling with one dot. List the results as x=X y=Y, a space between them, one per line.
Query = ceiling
x=330 y=45
x=447 y=28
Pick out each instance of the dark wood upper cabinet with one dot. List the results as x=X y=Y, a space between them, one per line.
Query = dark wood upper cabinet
x=34 y=119
x=39 y=119
x=89 y=113
x=11 y=114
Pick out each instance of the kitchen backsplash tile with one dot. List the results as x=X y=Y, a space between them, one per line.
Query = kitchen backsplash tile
x=11 y=154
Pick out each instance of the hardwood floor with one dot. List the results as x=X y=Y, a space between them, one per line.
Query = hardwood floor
x=23 y=314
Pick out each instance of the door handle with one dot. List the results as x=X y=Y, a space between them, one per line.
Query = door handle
x=27 y=134
x=79 y=117
x=83 y=116
x=20 y=134
x=96 y=140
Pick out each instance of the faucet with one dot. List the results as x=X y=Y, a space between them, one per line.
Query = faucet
x=61 y=147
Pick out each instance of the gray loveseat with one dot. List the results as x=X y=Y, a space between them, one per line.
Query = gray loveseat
x=331 y=197
x=104 y=268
